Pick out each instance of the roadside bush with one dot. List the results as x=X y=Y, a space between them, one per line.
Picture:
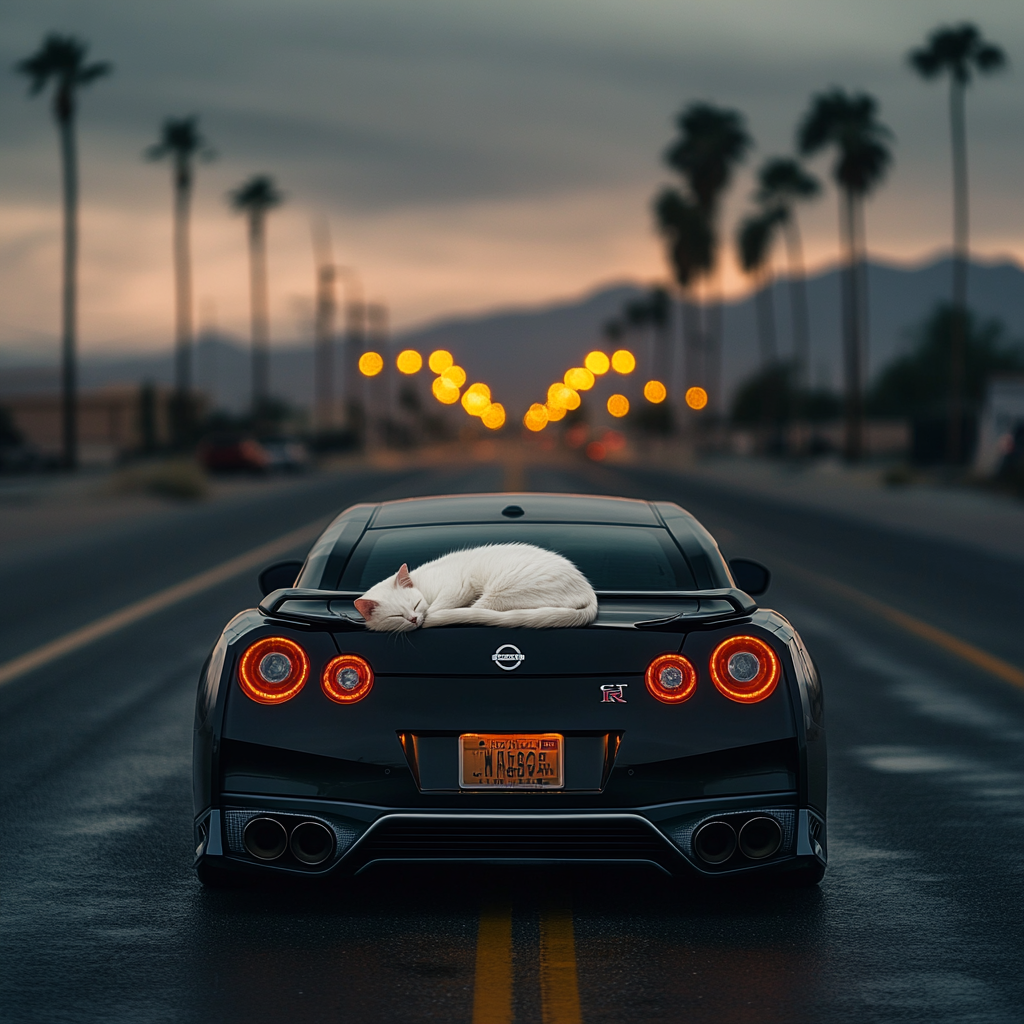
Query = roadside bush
x=179 y=479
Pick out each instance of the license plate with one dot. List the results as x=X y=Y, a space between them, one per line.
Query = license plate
x=511 y=760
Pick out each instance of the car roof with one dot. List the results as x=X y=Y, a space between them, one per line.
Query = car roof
x=536 y=508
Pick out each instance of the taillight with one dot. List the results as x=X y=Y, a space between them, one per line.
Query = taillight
x=273 y=670
x=745 y=669
x=347 y=678
x=671 y=678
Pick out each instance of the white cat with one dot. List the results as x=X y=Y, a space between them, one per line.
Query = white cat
x=493 y=585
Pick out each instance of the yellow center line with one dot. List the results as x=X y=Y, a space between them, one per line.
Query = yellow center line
x=559 y=986
x=940 y=638
x=492 y=985
x=95 y=630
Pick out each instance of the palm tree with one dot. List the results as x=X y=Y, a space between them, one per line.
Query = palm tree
x=255 y=198
x=782 y=183
x=958 y=51
x=754 y=240
x=849 y=125
x=181 y=140
x=63 y=59
x=712 y=142
x=690 y=248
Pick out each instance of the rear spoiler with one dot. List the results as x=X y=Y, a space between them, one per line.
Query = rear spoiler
x=709 y=606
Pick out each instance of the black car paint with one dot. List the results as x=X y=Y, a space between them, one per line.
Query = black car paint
x=387 y=754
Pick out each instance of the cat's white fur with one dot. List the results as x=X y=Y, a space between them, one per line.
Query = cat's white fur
x=493 y=585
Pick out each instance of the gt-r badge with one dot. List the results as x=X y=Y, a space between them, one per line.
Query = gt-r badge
x=508 y=657
x=611 y=693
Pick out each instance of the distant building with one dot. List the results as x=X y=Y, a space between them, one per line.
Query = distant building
x=1001 y=424
x=113 y=421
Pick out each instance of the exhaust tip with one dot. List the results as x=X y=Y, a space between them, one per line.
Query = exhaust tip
x=760 y=838
x=311 y=842
x=714 y=842
x=265 y=838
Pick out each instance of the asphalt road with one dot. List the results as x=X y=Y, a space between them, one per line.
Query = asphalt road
x=919 y=917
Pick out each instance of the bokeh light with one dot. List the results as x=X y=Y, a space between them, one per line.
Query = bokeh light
x=597 y=362
x=409 y=361
x=655 y=391
x=454 y=375
x=623 y=361
x=370 y=364
x=440 y=360
x=696 y=398
x=618 y=405
x=555 y=413
x=476 y=403
x=536 y=417
x=445 y=391
x=579 y=378
x=562 y=397
x=494 y=417
x=596 y=451
x=613 y=440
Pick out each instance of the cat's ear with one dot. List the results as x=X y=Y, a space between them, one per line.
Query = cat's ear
x=403 y=579
x=364 y=607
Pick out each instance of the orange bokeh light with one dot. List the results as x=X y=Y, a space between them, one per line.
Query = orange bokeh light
x=597 y=362
x=370 y=364
x=440 y=360
x=655 y=391
x=454 y=375
x=696 y=398
x=409 y=361
x=618 y=405
x=445 y=391
x=623 y=361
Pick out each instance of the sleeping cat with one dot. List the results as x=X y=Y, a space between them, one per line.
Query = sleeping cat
x=493 y=585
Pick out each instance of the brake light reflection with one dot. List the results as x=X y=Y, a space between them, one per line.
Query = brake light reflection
x=347 y=678
x=671 y=678
x=273 y=670
x=745 y=669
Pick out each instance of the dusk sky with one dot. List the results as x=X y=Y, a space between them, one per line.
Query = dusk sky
x=468 y=154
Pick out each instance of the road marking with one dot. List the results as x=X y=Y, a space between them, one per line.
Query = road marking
x=492 y=985
x=559 y=985
x=79 y=638
x=947 y=641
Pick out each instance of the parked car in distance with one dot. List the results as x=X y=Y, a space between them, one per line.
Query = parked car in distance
x=226 y=453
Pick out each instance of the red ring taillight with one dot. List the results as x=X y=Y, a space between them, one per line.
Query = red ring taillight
x=347 y=678
x=671 y=678
x=745 y=669
x=273 y=670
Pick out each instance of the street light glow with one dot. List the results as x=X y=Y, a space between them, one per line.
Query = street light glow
x=409 y=361
x=440 y=360
x=696 y=398
x=455 y=375
x=536 y=417
x=618 y=406
x=476 y=402
x=579 y=378
x=555 y=412
x=494 y=418
x=623 y=361
x=370 y=364
x=655 y=391
x=445 y=391
x=597 y=362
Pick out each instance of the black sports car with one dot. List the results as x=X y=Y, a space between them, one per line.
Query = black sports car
x=683 y=728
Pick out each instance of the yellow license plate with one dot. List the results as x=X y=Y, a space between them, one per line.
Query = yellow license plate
x=511 y=760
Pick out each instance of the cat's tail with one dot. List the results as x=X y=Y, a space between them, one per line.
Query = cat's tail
x=529 y=618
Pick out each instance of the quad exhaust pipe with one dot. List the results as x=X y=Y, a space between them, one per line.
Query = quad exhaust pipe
x=267 y=839
x=716 y=841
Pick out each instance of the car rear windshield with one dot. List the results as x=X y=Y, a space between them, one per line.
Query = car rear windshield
x=611 y=557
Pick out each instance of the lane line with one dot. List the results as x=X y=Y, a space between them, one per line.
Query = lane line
x=492 y=984
x=939 y=637
x=559 y=984
x=79 y=638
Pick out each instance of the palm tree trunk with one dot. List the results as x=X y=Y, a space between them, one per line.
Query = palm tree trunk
x=183 y=304
x=853 y=444
x=324 y=371
x=799 y=314
x=958 y=138
x=69 y=318
x=260 y=313
x=765 y=302
x=693 y=364
x=713 y=335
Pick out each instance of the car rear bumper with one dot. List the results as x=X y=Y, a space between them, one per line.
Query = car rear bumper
x=665 y=836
